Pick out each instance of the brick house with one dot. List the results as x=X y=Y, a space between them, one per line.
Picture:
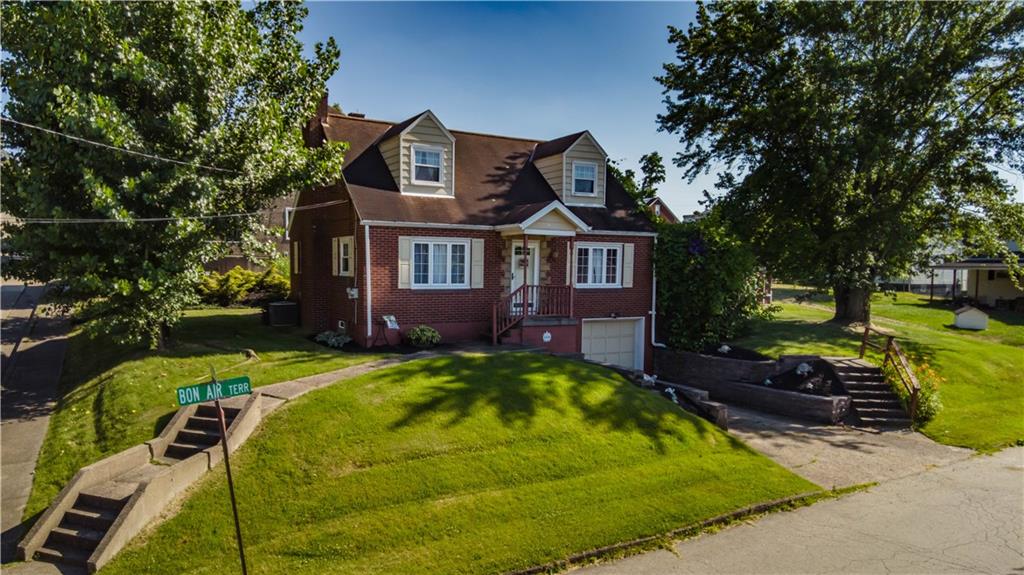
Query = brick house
x=478 y=236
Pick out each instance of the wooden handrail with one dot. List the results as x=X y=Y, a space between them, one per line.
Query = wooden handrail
x=901 y=365
x=530 y=300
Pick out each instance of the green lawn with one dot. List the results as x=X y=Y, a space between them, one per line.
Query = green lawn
x=461 y=464
x=114 y=397
x=983 y=395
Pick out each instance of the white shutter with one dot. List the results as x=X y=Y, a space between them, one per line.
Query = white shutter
x=334 y=256
x=627 y=265
x=404 y=255
x=477 y=256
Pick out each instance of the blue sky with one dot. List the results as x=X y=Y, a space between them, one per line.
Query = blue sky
x=537 y=70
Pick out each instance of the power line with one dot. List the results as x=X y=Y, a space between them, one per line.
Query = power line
x=62 y=221
x=118 y=149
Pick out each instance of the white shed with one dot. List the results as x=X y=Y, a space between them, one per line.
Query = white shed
x=970 y=317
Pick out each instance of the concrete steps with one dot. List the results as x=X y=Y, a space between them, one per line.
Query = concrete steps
x=201 y=431
x=80 y=530
x=873 y=402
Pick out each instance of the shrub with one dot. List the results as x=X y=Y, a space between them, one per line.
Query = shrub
x=423 y=336
x=333 y=339
x=708 y=284
x=929 y=404
x=242 y=286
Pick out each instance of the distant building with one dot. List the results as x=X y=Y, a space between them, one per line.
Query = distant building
x=660 y=209
x=988 y=280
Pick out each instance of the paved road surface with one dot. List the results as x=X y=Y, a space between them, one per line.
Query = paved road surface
x=967 y=517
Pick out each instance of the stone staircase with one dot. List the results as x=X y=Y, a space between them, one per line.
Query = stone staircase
x=873 y=402
x=201 y=431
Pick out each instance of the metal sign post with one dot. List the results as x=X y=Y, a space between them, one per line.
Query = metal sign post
x=216 y=390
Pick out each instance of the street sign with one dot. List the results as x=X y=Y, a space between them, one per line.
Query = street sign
x=214 y=390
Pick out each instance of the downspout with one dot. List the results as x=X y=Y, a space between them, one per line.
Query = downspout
x=654 y=296
x=369 y=286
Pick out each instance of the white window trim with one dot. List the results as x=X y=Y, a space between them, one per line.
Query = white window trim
x=412 y=160
x=573 y=182
x=618 y=265
x=430 y=263
x=348 y=241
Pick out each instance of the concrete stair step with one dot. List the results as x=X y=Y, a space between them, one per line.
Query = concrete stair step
x=100 y=502
x=62 y=554
x=75 y=536
x=90 y=517
x=207 y=410
x=879 y=412
x=205 y=437
x=183 y=450
x=880 y=403
x=210 y=423
x=887 y=422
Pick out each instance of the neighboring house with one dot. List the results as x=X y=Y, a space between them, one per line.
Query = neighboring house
x=660 y=209
x=275 y=218
x=988 y=280
x=479 y=236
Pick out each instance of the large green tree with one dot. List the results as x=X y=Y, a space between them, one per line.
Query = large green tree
x=854 y=135
x=221 y=89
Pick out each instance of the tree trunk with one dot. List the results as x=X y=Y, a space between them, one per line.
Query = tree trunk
x=165 y=336
x=853 y=305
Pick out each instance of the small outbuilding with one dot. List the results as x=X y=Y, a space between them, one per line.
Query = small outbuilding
x=970 y=317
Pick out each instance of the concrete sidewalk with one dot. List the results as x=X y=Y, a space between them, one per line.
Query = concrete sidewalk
x=28 y=392
x=967 y=517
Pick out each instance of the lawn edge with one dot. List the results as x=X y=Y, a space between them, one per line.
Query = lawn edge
x=635 y=546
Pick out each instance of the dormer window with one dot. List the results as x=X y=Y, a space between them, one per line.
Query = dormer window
x=426 y=165
x=584 y=178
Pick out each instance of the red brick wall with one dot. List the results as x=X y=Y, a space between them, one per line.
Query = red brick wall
x=323 y=297
x=458 y=314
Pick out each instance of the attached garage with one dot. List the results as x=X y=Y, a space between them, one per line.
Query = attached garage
x=615 y=341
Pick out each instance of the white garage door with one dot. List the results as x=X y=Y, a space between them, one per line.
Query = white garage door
x=614 y=341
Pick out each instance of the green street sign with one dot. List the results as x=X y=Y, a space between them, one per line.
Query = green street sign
x=214 y=390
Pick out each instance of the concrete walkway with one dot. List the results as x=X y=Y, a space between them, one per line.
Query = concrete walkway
x=834 y=456
x=966 y=517
x=33 y=355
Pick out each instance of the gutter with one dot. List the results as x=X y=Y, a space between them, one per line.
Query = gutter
x=369 y=286
x=654 y=297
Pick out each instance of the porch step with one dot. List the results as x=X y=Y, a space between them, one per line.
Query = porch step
x=183 y=450
x=205 y=437
x=203 y=423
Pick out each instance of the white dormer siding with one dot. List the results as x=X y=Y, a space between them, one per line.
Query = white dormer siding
x=433 y=140
x=584 y=157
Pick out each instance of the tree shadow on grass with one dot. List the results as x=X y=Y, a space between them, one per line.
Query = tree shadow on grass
x=515 y=389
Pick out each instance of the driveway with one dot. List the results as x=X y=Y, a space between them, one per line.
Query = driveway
x=833 y=456
x=967 y=517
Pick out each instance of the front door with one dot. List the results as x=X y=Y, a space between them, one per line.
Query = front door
x=532 y=270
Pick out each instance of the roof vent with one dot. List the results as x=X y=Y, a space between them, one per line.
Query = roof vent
x=356 y=115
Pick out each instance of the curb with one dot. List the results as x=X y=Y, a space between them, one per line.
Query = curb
x=678 y=533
